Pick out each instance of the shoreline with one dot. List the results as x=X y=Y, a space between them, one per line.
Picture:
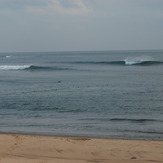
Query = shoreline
x=31 y=148
x=87 y=136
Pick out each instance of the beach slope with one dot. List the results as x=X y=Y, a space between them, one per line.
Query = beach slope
x=15 y=148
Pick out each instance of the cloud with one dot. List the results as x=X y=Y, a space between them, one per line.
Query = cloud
x=68 y=7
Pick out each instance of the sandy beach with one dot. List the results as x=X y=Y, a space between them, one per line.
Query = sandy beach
x=16 y=148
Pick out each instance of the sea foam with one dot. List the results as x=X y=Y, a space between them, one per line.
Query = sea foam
x=137 y=60
x=14 y=67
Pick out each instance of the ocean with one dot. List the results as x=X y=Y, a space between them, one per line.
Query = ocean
x=108 y=94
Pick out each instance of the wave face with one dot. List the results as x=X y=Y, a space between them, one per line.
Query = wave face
x=37 y=68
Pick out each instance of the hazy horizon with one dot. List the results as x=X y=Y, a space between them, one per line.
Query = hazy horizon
x=80 y=25
x=62 y=51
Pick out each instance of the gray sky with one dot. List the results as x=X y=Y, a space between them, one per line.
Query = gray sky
x=61 y=25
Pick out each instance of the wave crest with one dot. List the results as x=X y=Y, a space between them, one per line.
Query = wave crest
x=33 y=67
x=14 y=67
x=138 y=60
x=29 y=68
x=126 y=62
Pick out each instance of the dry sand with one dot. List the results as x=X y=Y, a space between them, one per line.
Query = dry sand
x=15 y=148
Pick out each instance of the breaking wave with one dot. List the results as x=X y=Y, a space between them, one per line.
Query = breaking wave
x=28 y=67
x=142 y=60
x=126 y=62
x=143 y=63
x=14 y=67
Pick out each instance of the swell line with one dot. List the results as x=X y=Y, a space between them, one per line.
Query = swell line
x=138 y=120
x=135 y=120
x=121 y=63
x=29 y=68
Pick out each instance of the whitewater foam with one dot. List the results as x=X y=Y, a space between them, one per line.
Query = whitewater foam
x=29 y=67
x=14 y=67
x=137 y=60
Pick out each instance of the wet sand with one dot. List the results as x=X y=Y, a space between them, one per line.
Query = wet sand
x=17 y=148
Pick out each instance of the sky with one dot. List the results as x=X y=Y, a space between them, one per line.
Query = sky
x=80 y=25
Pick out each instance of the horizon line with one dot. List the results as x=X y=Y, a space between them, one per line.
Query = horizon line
x=60 y=51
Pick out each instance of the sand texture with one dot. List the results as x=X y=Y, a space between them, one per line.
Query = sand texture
x=15 y=148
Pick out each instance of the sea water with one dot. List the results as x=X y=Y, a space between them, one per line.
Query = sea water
x=111 y=94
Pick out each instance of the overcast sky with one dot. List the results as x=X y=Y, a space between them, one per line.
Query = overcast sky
x=68 y=25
